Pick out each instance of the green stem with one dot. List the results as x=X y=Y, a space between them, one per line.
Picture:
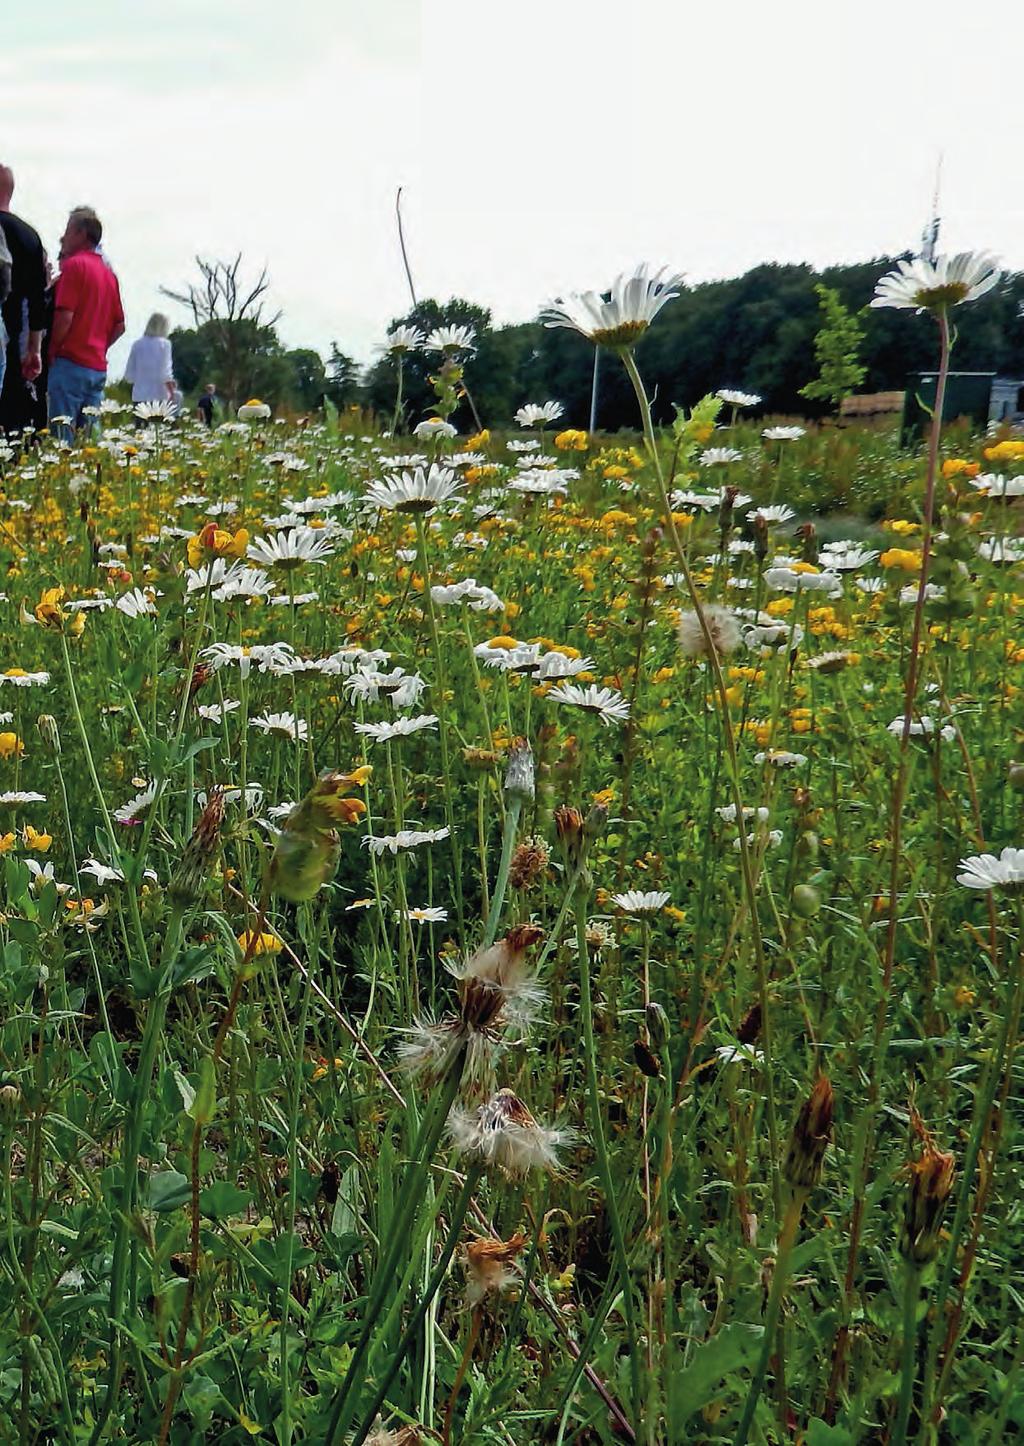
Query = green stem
x=508 y=843
x=746 y=864
x=582 y=893
x=419 y=1314
x=911 y=1296
x=787 y=1235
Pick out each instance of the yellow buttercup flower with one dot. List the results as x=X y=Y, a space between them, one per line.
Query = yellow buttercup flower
x=36 y=841
x=572 y=440
x=11 y=746
x=900 y=557
x=265 y=943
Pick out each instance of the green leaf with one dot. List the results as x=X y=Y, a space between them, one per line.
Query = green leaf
x=820 y=1433
x=167 y=1189
x=223 y=1199
x=734 y=1348
x=201 y=1395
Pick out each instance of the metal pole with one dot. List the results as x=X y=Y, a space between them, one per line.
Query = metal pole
x=593 y=389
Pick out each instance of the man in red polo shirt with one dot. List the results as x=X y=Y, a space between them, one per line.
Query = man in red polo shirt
x=87 y=320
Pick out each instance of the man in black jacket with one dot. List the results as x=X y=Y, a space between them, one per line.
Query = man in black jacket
x=24 y=308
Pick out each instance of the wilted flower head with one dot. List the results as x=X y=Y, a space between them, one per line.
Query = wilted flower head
x=810 y=1138
x=931 y=1182
x=519 y=773
x=722 y=629
x=497 y=990
x=503 y=1132
x=488 y=1266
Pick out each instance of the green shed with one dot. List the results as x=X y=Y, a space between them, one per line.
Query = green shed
x=968 y=394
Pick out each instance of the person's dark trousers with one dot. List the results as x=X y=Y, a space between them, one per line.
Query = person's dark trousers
x=17 y=405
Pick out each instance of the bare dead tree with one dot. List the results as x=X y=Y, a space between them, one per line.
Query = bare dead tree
x=231 y=309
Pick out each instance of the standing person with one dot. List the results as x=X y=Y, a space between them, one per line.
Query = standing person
x=24 y=306
x=87 y=320
x=150 y=367
x=5 y=291
x=207 y=403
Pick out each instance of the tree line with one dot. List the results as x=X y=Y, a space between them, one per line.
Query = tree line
x=757 y=332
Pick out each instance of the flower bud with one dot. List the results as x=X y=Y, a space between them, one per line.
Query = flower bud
x=10 y=1103
x=195 y=867
x=308 y=848
x=569 y=828
x=49 y=732
x=519 y=773
x=931 y=1183
x=806 y=901
x=657 y=1025
x=812 y=1132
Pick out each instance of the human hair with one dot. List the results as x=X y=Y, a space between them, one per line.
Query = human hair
x=6 y=182
x=87 y=221
x=157 y=325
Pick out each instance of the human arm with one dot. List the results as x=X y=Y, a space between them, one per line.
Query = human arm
x=62 y=319
x=117 y=320
x=35 y=295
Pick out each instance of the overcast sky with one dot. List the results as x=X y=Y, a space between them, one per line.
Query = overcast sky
x=542 y=144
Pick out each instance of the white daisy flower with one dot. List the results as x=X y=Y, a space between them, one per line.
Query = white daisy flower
x=538 y=414
x=15 y=796
x=432 y=428
x=451 y=339
x=423 y=915
x=281 y=725
x=985 y=871
x=408 y=838
x=719 y=456
x=418 y=491
x=397 y=728
x=635 y=901
x=935 y=285
x=155 y=411
x=738 y=399
x=217 y=712
x=404 y=339
x=135 y=604
x=619 y=317
x=783 y=434
x=18 y=679
x=288 y=550
x=993 y=484
x=132 y=811
x=609 y=704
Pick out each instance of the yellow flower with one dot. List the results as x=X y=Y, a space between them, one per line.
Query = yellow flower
x=1009 y=451
x=478 y=440
x=958 y=467
x=38 y=842
x=11 y=745
x=265 y=943
x=212 y=541
x=7 y=842
x=900 y=557
x=572 y=441
x=901 y=527
x=50 y=613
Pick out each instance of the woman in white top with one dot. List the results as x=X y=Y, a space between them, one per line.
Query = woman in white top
x=150 y=364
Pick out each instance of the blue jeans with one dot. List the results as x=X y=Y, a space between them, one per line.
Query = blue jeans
x=71 y=388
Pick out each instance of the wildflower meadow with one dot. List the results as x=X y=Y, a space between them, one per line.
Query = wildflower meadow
x=514 y=937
